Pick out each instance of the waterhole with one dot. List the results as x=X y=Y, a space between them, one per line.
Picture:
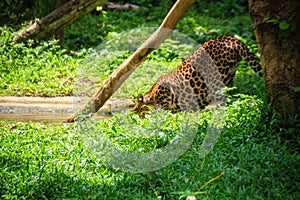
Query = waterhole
x=51 y=110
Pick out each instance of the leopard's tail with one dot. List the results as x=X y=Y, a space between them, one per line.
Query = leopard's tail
x=249 y=57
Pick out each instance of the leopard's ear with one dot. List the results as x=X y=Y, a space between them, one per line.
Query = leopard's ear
x=140 y=98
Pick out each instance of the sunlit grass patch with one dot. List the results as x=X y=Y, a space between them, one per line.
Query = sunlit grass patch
x=45 y=161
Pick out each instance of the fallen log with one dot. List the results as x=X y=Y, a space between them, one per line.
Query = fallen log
x=57 y=20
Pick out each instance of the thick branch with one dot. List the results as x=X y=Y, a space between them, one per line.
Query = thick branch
x=130 y=64
x=58 y=19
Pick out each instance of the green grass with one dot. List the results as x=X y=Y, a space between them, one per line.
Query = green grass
x=257 y=149
x=40 y=161
x=44 y=70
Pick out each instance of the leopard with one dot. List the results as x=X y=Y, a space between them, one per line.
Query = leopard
x=198 y=81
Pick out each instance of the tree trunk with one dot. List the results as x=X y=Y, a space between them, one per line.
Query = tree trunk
x=58 y=19
x=277 y=31
x=130 y=64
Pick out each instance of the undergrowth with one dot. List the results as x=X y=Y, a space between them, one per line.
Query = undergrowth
x=41 y=161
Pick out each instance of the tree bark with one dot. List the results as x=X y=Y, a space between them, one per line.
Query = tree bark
x=129 y=65
x=58 y=19
x=277 y=30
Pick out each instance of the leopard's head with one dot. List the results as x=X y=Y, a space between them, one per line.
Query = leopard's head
x=140 y=107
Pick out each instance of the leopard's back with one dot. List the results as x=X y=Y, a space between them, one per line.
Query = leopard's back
x=227 y=52
x=196 y=82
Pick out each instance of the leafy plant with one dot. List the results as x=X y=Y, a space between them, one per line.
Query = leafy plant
x=285 y=29
x=296 y=89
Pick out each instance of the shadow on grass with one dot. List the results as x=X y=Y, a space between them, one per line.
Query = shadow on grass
x=20 y=180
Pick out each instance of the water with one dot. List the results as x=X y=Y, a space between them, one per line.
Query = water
x=51 y=110
x=47 y=117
